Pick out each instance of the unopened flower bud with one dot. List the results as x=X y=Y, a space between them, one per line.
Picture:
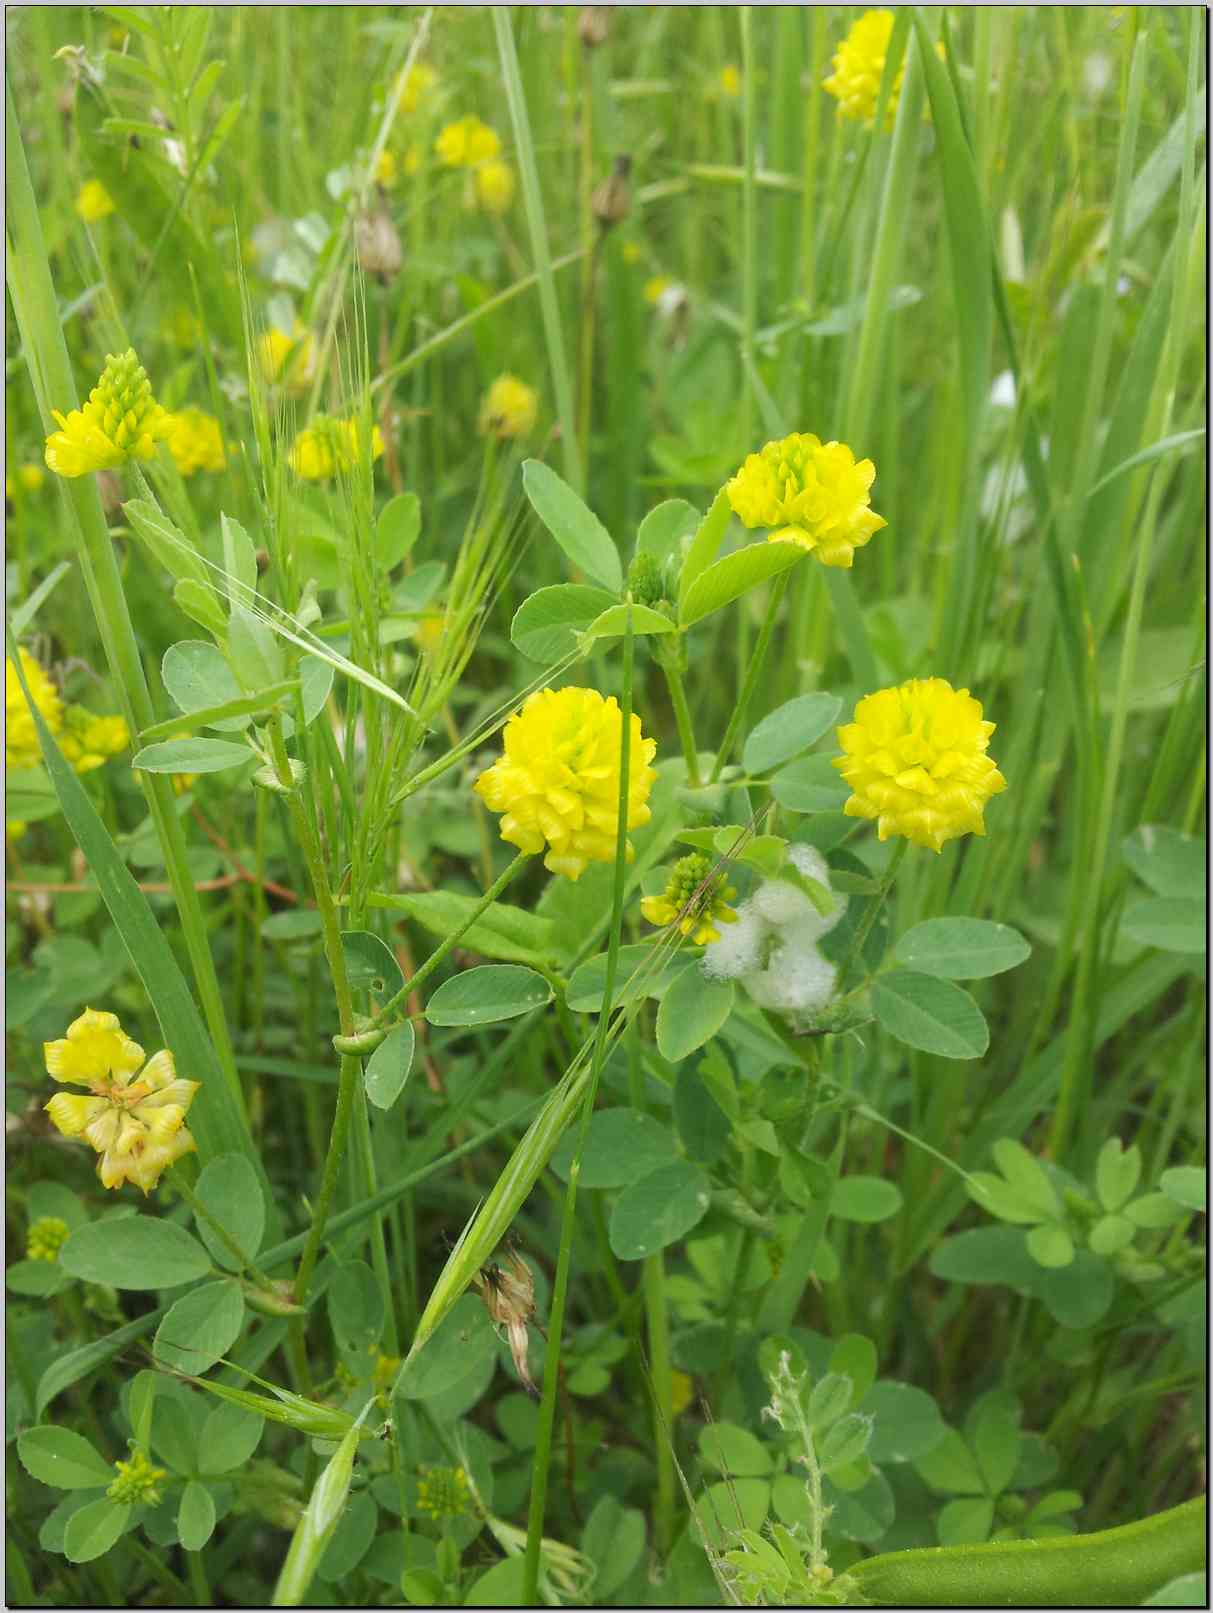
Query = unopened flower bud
x=612 y=200
x=378 y=245
x=644 y=579
x=593 y=25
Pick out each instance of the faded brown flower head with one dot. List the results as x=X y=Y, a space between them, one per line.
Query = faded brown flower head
x=508 y=1291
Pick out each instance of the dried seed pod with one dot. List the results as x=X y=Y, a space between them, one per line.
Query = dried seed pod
x=612 y=200
x=379 y=250
x=593 y=25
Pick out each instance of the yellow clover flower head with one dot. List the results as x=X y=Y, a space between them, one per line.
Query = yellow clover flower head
x=494 y=185
x=858 y=66
x=467 y=143
x=328 y=446
x=120 y=421
x=29 y=478
x=729 y=81
x=94 y=201
x=415 y=86
x=134 y=1116
x=695 y=899
x=46 y=1237
x=289 y=361
x=88 y=741
x=812 y=493
x=196 y=442
x=509 y=408
x=558 y=781
x=20 y=737
x=138 y=1482
x=915 y=757
x=443 y=1492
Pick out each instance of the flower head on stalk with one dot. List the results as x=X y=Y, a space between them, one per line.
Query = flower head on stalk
x=859 y=67
x=558 y=781
x=120 y=421
x=328 y=446
x=196 y=442
x=20 y=736
x=915 y=757
x=811 y=493
x=134 y=1116
x=694 y=898
x=509 y=409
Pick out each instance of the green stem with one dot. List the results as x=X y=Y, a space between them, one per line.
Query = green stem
x=181 y=1186
x=873 y=912
x=778 y=589
x=198 y=1580
x=416 y=981
x=749 y=219
x=551 y=1363
x=668 y=662
x=1110 y=1568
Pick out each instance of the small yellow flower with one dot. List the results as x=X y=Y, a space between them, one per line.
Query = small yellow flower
x=386 y=169
x=196 y=442
x=684 y=1391
x=415 y=86
x=509 y=408
x=494 y=184
x=467 y=143
x=916 y=760
x=729 y=82
x=135 y=1115
x=120 y=421
x=812 y=493
x=656 y=288
x=430 y=630
x=694 y=898
x=858 y=66
x=630 y=252
x=88 y=741
x=14 y=828
x=46 y=1237
x=21 y=748
x=328 y=446
x=94 y=201
x=138 y=1482
x=443 y=1492
x=29 y=478
x=558 y=781
x=288 y=360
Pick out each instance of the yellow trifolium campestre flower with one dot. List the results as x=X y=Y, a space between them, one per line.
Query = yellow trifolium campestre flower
x=289 y=361
x=120 y=421
x=916 y=760
x=466 y=143
x=46 y=1237
x=94 y=201
x=138 y=1482
x=29 y=478
x=558 y=782
x=328 y=446
x=509 y=408
x=812 y=493
x=694 y=898
x=196 y=442
x=135 y=1114
x=443 y=1492
x=20 y=737
x=858 y=66
x=728 y=82
x=414 y=87
x=494 y=184
x=88 y=741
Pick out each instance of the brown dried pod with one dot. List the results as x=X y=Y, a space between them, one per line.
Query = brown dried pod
x=612 y=200
x=379 y=250
x=593 y=25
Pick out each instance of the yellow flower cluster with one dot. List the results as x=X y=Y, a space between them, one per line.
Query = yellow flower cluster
x=29 y=478
x=858 y=66
x=558 y=782
x=138 y=1482
x=93 y=201
x=85 y=739
x=46 y=1237
x=196 y=442
x=328 y=446
x=120 y=421
x=694 y=898
x=812 y=493
x=915 y=757
x=135 y=1114
x=415 y=86
x=728 y=82
x=509 y=408
x=443 y=1492
x=289 y=361
x=471 y=144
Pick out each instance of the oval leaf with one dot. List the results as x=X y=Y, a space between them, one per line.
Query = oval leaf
x=961 y=949
x=370 y=964
x=663 y=529
x=547 y=627
x=196 y=676
x=135 y=1252
x=1170 y=863
x=195 y=1516
x=191 y=756
x=659 y=1209
x=691 y=1012
x=930 y=1014
x=93 y=1530
x=493 y=991
x=58 y=1457
x=576 y=528
x=727 y=579
x=790 y=729
x=1170 y=923
x=201 y=1327
x=621 y=1146
x=230 y=1190
x=613 y=623
x=388 y=1067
